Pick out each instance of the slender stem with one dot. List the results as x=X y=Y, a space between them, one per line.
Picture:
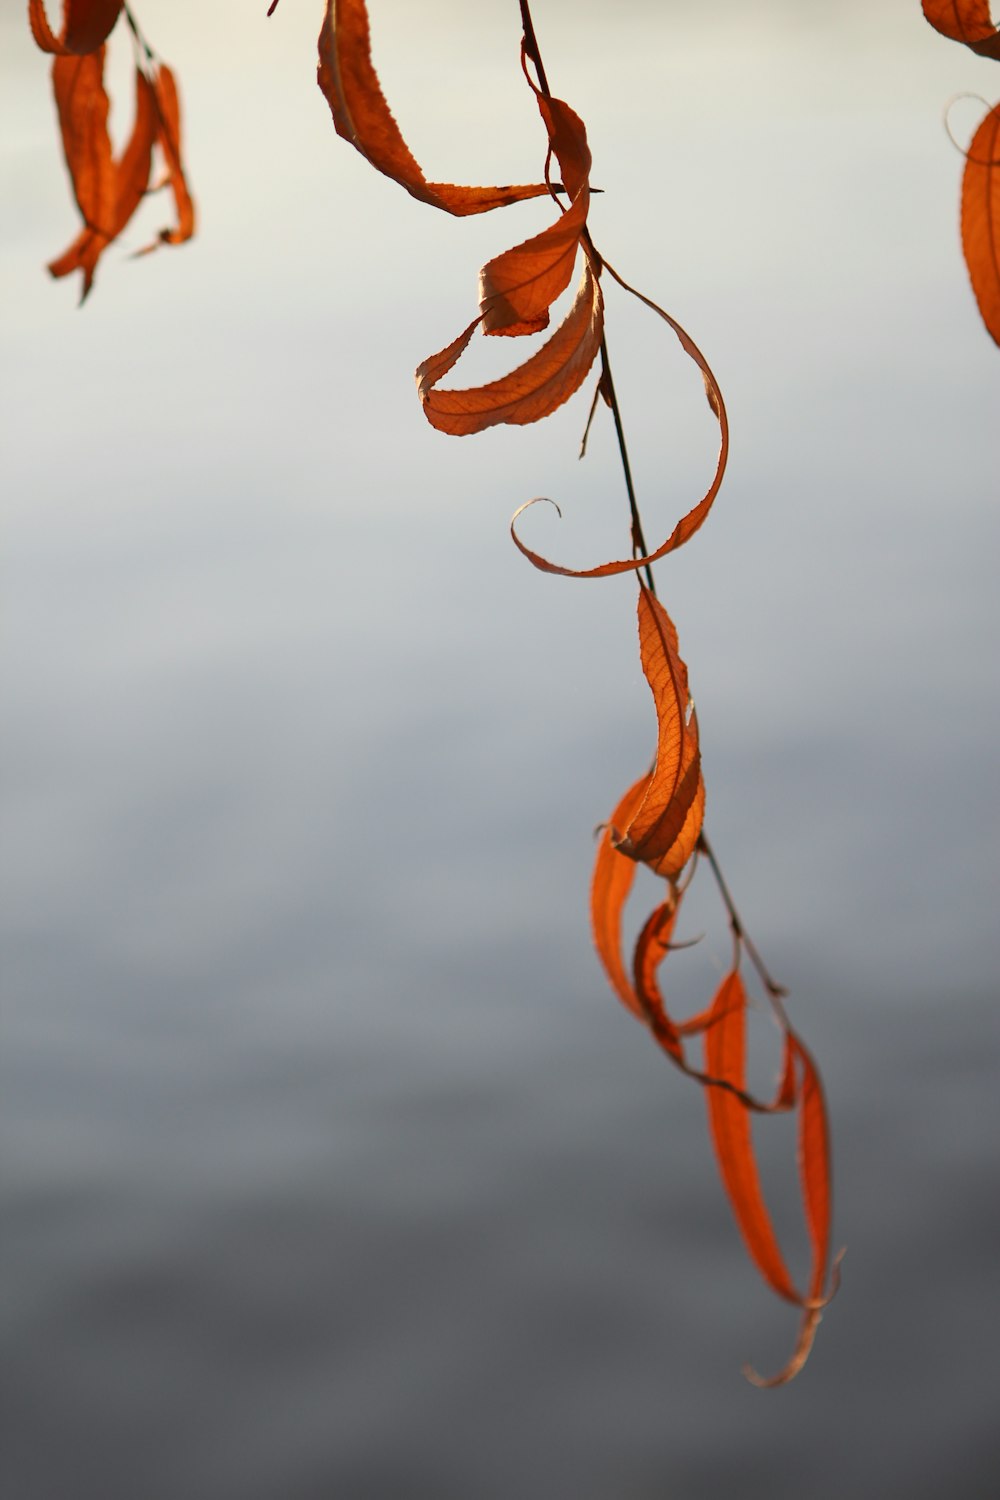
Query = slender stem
x=639 y=548
x=741 y=938
x=774 y=990
x=531 y=47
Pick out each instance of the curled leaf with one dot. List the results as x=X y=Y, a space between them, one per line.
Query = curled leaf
x=361 y=115
x=981 y=219
x=129 y=177
x=168 y=138
x=965 y=21
x=610 y=886
x=674 y=800
x=534 y=389
x=86 y=24
x=695 y=517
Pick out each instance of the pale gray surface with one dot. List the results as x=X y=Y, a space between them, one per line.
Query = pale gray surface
x=332 y=1169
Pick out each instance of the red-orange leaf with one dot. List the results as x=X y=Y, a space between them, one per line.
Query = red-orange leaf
x=965 y=21
x=528 y=393
x=725 y=1058
x=688 y=524
x=86 y=24
x=609 y=891
x=362 y=116
x=674 y=800
x=981 y=218
x=168 y=136
x=130 y=178
x=517 y=288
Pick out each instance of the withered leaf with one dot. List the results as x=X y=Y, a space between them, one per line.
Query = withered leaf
x=981 y=219
x=130 y=176
x=361 y=115
x=86 y=24
x=675 y=787
x=168 y=138
x=610 y=886
x=965 y=21
x=695 y=517
x=531 y=391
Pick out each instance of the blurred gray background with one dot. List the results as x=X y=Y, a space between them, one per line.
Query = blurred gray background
x=332 y=1166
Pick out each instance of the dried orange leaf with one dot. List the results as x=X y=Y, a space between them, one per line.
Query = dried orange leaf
x=86 y=24
x=168 y=136
x=517 y=288
x=688 y=524
x=531 y=391
x=654 y=834
x=609 y=891
x=965 y=21
x=981 y=219
x=361 y=115
x=130 y=178
x=729 y=1119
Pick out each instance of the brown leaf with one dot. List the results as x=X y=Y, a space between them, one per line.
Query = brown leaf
x=528 y=393
x=361 y=115
x=688 y=524
x=981 y=219
x=965 y=21
x=86 y=24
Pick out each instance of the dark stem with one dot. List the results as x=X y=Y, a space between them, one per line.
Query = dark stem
x=741 y=938
x=774 y=990
x=133 y=26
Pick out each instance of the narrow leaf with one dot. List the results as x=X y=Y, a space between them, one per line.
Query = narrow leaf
x=730 y=1123
x=130 y=178
x=981 y=219
x=361 y=115
x=168 y=136
x=609 y=890
x=654 y=834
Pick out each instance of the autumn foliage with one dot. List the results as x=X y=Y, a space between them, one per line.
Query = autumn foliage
x=108 y=190
x=969 y=22
x=658 y=821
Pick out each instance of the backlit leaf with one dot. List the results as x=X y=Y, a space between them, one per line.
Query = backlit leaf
x=654 y=834
x=981 y=219
x=168 y=138
x=531 y=391
x=86 y=24
x=130 y=176
x=965 y=21
x=362 y=116
x=689 y=523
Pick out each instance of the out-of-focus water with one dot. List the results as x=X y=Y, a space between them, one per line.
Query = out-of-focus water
x=331 y=1168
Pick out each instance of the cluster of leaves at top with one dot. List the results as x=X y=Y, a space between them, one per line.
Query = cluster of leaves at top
x=108 y=190
x=969 y=21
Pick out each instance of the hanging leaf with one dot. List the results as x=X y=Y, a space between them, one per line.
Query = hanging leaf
x=965 y=21
x=530 y=392
x=654 y=834
x=695 y=517
x=86 y=24
x=981 y=219
x=361 y=115
x=168 y=138
x=128 y=178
